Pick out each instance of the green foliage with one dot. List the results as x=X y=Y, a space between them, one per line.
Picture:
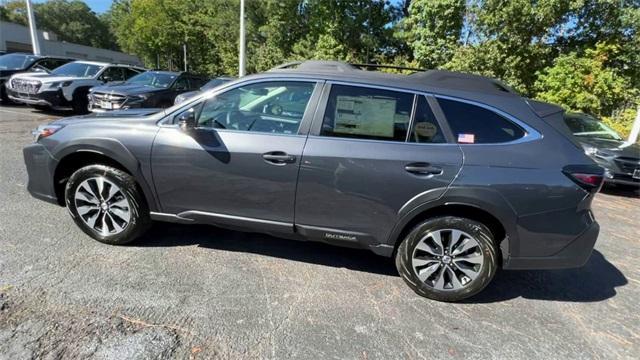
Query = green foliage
x=585 y=83
x=72 y=21
x=433 y=30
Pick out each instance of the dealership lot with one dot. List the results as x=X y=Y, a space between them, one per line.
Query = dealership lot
x=205 y=292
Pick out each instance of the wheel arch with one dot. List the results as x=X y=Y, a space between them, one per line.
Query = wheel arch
x=104 y=152
x=500 y=220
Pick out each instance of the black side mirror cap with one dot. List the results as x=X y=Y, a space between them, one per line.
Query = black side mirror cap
x=187 y=120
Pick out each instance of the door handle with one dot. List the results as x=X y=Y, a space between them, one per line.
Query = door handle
x=278 y=158
x=422 y=169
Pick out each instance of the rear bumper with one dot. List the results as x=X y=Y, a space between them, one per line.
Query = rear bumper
x=40 y=169
x=575 y=254
x=52 y=98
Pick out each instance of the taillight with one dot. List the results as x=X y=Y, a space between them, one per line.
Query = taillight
x=589 y=177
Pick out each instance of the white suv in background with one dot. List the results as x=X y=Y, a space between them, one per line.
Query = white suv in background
x=67 y=85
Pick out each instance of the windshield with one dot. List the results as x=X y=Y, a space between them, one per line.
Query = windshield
x=158 y=80
x=16 y=61
x=587 y=126
x=77 y=69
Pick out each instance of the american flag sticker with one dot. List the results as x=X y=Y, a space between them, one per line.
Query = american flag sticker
x=466 y=138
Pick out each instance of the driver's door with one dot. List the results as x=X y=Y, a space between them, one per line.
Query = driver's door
x=239 y=164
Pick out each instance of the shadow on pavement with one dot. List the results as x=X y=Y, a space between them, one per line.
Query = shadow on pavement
x=596 y=281
x=164 y=234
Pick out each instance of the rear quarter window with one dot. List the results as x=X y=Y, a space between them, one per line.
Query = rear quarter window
x=472 y=124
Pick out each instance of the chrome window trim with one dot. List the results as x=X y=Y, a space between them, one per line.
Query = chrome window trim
x=531 y=134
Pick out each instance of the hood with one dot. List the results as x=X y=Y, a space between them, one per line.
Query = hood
x=612 y=147
x=119 y=115
x=127 y=89
x=7 y=73
x=45 y=77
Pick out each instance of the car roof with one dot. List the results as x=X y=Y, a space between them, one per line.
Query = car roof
x=430 y=81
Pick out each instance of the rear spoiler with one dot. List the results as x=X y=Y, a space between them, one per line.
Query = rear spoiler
x=553 y=115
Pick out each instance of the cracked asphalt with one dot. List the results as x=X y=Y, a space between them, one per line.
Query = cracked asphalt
x=203 y=292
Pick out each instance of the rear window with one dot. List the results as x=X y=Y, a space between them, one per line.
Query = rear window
x=473 y=124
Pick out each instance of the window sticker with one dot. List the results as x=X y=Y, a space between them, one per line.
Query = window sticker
x=466 y=138
x=365 y=116
x=426 y=129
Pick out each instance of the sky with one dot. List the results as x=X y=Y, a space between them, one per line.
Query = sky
x=98 y=6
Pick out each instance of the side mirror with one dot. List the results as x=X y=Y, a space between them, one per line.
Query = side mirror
x=187 y=120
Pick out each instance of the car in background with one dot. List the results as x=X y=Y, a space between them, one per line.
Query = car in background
x=607 y=148
x=14 y=63
x=67 y=85
x=210 y=85
x=152 y=89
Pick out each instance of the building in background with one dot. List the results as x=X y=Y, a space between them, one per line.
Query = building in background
x=16 y=38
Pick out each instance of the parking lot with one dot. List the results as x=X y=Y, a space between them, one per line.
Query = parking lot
x=204 y=292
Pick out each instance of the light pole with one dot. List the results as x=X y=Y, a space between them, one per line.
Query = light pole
x=241 y=69
x=32 y=26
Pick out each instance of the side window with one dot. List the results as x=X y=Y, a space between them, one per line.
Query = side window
x=425 y=126
x=128 y=72
x=48 y=64
x=181 y=84
x=473 y=124
x=112 y=74
x=272 y=107
x=367 y=113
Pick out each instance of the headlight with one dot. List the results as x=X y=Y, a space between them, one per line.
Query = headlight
x=44 y=131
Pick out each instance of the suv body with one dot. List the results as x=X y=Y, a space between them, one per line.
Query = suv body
x=152 y=89
x=14 y=63
x=426 y=167
x=607 y=148
x=67 y=85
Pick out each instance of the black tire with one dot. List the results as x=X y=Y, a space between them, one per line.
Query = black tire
x=486 y=246
x=80 y=102
x=139 y=211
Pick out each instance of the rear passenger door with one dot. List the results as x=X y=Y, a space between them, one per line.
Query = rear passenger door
x=370 y=152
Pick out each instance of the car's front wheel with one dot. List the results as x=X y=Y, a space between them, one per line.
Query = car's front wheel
x=107 y=204
x=447 y=258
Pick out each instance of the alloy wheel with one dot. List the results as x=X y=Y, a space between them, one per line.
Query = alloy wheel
x=102 y=206
x=447 y=259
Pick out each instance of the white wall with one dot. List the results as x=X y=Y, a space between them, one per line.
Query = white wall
x=17 y=38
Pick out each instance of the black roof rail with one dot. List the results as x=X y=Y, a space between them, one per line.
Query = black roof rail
x=317 y=65
x=396 y=67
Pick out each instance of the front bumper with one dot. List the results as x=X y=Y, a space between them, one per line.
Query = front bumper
x=52 y=98
x=40 y=170
x=575 y=254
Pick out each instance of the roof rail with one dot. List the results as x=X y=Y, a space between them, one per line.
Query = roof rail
x=378 y=66
x=317 y=65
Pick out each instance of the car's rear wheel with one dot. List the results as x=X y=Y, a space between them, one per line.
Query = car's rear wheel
x=107 y=204
x=80 y=102
x=447 y=258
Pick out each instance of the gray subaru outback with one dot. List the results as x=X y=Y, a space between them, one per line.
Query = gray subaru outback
x=453 y=175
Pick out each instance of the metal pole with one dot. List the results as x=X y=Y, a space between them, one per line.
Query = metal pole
x=184 y=48
x=635 y=130
x=241 y=69
x=35 y=43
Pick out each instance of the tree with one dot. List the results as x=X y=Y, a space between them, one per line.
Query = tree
x=432 y=29
x=585 y=83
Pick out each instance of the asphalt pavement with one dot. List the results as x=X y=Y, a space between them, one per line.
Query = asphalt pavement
x=203 y=292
